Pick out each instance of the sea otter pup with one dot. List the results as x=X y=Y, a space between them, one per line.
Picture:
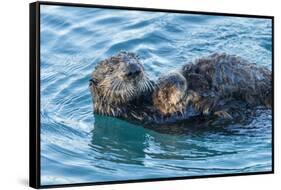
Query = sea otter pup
x=219 y=85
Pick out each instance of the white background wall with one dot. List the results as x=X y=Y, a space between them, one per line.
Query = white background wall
x=14 y=93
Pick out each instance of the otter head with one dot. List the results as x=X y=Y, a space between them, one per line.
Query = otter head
x=168 y=97
x=118 y=80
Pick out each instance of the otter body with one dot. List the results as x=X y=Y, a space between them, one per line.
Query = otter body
x=219 y=85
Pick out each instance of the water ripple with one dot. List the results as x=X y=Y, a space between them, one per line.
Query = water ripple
x=77 y=146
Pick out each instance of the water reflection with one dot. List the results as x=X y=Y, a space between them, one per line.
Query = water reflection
x=172 y=145
x=123 y=142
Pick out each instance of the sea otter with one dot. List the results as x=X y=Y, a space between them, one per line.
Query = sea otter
x=219 y=85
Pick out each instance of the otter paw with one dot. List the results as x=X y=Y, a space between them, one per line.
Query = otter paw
x=223 y=114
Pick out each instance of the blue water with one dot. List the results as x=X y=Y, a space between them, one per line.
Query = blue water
x=77 y=146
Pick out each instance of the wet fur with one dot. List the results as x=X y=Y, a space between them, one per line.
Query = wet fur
x=219 y=85
x=112 y=94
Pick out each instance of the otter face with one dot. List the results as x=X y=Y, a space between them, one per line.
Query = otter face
x=169 y=94
x=119 y=79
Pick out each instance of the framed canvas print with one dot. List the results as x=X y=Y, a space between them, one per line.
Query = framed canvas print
x=123 y=94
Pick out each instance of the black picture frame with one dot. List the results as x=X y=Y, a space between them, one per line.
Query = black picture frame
x=34 y=92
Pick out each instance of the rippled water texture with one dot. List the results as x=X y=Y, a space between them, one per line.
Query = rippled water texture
x=77 y=146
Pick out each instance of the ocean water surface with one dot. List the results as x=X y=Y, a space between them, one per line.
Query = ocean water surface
x=78 y=146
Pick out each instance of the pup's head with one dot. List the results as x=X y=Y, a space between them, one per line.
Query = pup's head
x=169 y=94
x=119 y=79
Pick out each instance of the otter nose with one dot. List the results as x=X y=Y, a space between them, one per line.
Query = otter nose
x=132 y=70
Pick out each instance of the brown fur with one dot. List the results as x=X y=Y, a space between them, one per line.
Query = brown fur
x=115 y=92
x=214 y=81
x=219 y=85
x=169 y=93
